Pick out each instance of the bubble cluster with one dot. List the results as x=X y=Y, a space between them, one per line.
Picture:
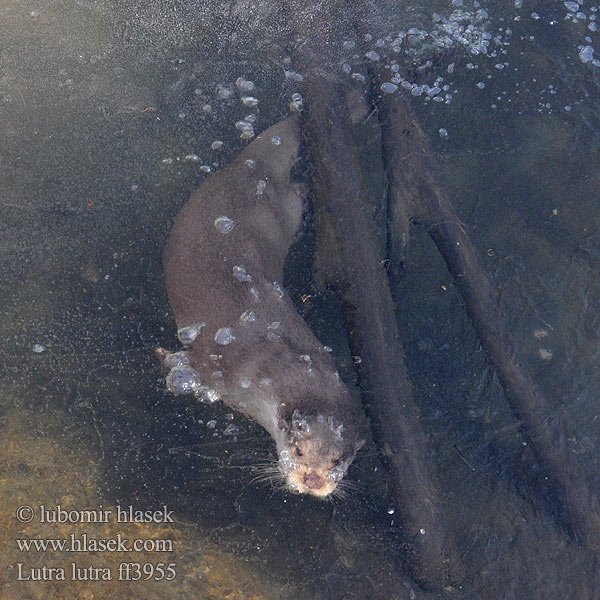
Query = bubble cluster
x=307 y=360
x=260 y=187
x=294 y=76
x=248 y=316
x=224 y=336
x=296 y=105
x=176 y=359
x=189 y=333
x=231 y=429
x=246 y=128
x=224 y=92
x=183 y=379
x=278 y=289
x=241 y=274
x=224 y=224
x=416 y=48
x=286 y=463
x=249 y=100
x=245 y=85
x=207 y=395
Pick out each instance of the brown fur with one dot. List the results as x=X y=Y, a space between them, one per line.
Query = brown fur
x=274 y=370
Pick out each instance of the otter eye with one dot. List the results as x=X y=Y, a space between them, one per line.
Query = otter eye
x=336 y=462
x=299 y=452
x=300 y=423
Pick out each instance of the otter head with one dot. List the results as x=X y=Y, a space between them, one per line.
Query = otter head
x=315 y=450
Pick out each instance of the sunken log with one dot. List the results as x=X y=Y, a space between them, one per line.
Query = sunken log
x=338 y=190
x=414 y=192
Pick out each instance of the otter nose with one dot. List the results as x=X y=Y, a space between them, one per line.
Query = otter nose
x=313 y=481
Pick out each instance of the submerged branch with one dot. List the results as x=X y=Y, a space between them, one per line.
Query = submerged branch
x=412 y=183
x=339 y=190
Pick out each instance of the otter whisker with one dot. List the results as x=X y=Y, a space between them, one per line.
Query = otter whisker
x=265 y=477
x=347 y=487
x=267 y=473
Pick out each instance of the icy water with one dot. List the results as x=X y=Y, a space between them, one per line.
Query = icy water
x=109 y=114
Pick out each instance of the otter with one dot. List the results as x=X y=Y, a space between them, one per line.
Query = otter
x=245 y=343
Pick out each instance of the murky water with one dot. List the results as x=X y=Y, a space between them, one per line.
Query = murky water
x=109 y=114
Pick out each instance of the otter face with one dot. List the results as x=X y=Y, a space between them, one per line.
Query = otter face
x=315 y=452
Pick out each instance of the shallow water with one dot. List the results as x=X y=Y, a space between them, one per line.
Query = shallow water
x=108 y=111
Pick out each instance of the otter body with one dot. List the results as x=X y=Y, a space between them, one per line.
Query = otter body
x=245 y=342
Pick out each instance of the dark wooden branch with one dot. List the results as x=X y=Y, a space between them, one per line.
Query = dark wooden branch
x=412 y=184
x=338 y=187
x=374 y=334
